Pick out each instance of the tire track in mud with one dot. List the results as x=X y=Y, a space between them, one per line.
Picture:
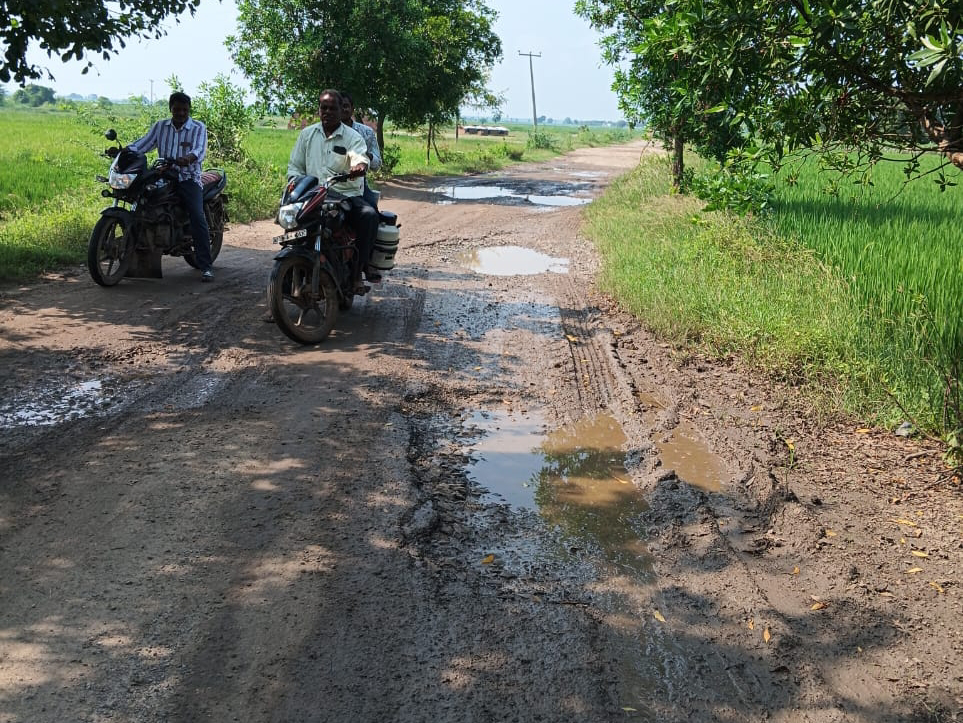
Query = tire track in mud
x=726 y=614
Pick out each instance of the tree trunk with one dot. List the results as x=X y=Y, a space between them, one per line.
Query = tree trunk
x=428 y=148
x=678 y=162
x=380 y=130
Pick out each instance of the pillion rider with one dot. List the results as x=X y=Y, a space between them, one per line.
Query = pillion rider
x=328 y=148
x=370 y=139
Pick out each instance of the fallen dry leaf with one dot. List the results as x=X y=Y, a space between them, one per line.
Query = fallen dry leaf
x=766 y=635
x=488 y=559
x=937 y=587
x=819 y=606
x=658 y=616
x=830 y=533
x=751 y=624
x=914 y=570
x=571 y=338
x=863 y=430
x=919 y=553
x=900 y=521
x=795 y=570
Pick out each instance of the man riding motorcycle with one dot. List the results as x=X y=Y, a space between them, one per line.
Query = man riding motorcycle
x=329 y=148
x=185 y=140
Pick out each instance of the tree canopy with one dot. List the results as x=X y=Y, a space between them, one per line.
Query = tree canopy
x=881 y=78
x=34 y=95
x=412 y=60
x=75 y=30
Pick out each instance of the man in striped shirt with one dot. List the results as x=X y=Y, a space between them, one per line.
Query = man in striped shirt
x=185 y=140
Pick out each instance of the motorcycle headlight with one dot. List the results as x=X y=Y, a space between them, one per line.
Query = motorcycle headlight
x=288 y=215
x=120 y=181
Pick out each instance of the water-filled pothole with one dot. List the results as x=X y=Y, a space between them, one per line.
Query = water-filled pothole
x=510 y=261
x=694 y=463
x=551 y=195
x=575 y=477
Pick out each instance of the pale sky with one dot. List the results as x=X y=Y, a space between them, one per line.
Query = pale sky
x=570 y=80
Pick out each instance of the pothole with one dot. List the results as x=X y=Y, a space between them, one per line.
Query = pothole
x=686 y=452
x=510 y=261
x=540 y=194
x=574 y=477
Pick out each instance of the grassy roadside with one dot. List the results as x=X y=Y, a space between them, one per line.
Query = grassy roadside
x=49 y=159
x=762 y=291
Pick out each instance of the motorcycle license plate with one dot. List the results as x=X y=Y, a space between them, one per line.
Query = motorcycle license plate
x=290 y=236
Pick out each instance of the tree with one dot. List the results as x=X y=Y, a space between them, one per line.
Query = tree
x=661 y=82
x=74 y=30
x=34 y=95
x=414 y=61
x=220 y=105
x=878 y=78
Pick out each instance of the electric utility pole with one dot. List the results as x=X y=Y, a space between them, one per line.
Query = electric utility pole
x=531 y=74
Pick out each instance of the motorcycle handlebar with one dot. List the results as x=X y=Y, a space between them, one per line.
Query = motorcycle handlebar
x=342 y=177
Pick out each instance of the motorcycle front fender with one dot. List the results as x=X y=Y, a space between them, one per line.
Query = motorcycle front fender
x=122 y=214
x=302 y=251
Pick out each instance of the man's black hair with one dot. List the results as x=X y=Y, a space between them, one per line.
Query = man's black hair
x=331 y=91
x=347 y=97
x=178 y=97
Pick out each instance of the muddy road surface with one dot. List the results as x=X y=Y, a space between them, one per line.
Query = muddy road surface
x=488 y=496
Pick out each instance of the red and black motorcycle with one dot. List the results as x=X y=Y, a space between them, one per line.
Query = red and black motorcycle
x=147 y=219
x=313 y=275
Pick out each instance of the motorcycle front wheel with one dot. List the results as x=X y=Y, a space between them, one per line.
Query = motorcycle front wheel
x=108 y=251
x=303 y=316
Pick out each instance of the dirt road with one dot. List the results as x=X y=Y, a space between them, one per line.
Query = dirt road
x=489 y=496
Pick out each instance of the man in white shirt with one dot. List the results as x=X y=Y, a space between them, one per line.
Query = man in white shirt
x=328 y=148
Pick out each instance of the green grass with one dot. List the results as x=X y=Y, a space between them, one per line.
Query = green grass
x=900 y=248
x=49 y=159
x=856 y=302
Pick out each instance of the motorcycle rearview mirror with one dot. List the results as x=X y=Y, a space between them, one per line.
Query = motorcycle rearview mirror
x=111 y=135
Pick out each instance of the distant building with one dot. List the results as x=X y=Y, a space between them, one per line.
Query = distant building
x=485 y=130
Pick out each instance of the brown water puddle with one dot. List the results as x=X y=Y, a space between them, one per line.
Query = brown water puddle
x=575 y=477
x=685 y=451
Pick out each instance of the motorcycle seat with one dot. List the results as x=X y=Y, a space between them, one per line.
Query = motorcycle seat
x=213 y=181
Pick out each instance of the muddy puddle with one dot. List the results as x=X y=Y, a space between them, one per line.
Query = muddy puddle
x=68 y=400
x=541 y=194
x=510 y=261
x=574 y=477
x=684 y=451
x=52 y=404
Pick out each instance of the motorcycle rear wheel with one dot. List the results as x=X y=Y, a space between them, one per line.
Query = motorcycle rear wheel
x=305 y=317
x=108 y=251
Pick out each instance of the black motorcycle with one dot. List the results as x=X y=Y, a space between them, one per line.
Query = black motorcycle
x=147 y=219
x=313 y=275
